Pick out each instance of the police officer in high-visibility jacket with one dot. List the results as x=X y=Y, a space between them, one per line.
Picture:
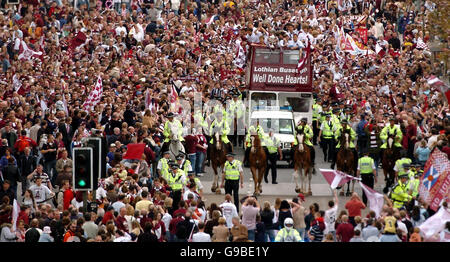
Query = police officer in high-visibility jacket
x=163 y=165
x=288 y=233
x=220 y=125
x=303 y=128
x=170 y=126
x=344 y=128
x=237 y=111
x=367 y=170
x=316 y=110
x=252 y=130
x=275 y=153
x=399 y=194
x=326 y=137
x=232 y=174
x=413 y=186
x=176 y=180
x=398 y=168
x=184 y=164
x=393 y=131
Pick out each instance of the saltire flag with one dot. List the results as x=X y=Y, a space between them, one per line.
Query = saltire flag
x=25 y=53
x=376 y=200
x=303 y=59
x=435 y=224
x=134 y=151
x=94 y=96
x=439 y=84
x=435 y=181
x=336 y=178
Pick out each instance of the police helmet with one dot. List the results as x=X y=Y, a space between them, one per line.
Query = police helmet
x=288 y=222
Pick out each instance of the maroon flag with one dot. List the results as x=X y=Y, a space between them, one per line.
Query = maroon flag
x=134 y=151
x=336 y=178
x=393 y=103
x=303 y=60
x=440 y=85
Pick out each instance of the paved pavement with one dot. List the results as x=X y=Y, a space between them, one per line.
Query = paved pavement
x=286 y=184
x=285 y=189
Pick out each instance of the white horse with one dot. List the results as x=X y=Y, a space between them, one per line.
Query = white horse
x=175 y=146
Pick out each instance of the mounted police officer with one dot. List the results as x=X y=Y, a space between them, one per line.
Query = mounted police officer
x=394 y=132
x=254 y=130
x=170 y=126
x=304 y=128
x=344 y=128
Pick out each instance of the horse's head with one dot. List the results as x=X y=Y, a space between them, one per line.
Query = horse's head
x=300 y=139
x=217 y=140
x=390 y=142
x=346 y=140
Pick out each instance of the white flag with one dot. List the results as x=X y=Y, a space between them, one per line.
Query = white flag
x=15 y=214
x=336 y=178
x=376 y=200
x=435 y=224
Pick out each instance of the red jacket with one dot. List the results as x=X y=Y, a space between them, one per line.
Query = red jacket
x=67 y=198
x=120 y=223
x=23 y=216
x=345 y=230
x=23 y=142
x=108 y=216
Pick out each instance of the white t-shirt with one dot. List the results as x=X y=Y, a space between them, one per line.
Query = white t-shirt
x=40 y=193
x=186 y=194
x=166 y=219
x=201 y=237
x=402 y=227
x=229 y=211
x=330 y=219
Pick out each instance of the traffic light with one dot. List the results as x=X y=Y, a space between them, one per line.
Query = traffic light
x=99 y=158
x=82 y=168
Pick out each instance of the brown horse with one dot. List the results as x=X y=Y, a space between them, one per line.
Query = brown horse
x=217 y=155
x=345 y=161
x=258 y=162
x=302 y=162
x=388 y=160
